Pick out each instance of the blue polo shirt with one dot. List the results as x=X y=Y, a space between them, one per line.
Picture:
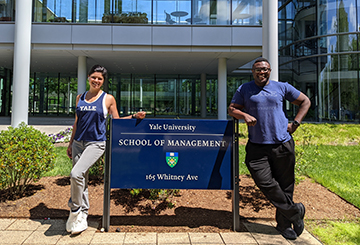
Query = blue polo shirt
x=267 y=105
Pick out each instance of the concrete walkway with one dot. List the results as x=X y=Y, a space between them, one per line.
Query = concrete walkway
x=48 y=125
x=26 y=231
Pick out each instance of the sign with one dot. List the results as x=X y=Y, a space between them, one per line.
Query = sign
x=171 y=154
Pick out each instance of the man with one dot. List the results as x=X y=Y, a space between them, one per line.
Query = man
x=270 y=153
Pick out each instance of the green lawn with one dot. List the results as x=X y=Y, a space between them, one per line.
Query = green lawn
x=340 y=232
x=338 y=169
x=333 y=134
x=325 y=134
x=62 y=165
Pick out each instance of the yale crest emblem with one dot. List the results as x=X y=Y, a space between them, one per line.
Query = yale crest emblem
x=172 y=158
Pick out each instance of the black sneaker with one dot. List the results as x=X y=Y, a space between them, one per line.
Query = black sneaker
x=287 y=233
x=299 y=222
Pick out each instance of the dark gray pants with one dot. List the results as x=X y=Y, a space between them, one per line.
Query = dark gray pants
x=272 y=168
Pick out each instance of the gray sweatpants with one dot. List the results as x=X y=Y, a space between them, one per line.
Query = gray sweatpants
x=85 y=154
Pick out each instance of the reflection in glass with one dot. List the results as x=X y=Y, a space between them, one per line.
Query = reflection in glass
x=201 y=12
x=172 y=12
x=357 y=27
x=347 y=43
x=302 y=74
x=286 y=19
x=233 y=83
x=136 y=94
x=163 y=12
x=338 y=43
x=219 y=12
x=211 y=12
x=246 y=12
x=52 y=94
x=305 y=20
x=306 y=48
x=143 y=93
x=172 y=96
x=214 y=12
x=128 y=11
x=124 y=107
x=328 y=17
x=338 y=90
x=166 y=96
x=297 y=21
x=337 y=16
x=323 y=45
x=346 y=16
x=112 y=86
x=189 y=97
x=211 y=97
x=332 y=43
x=91 y=11
x=67 y=91
x=53 y=11
x=5 y=97
x=6 y=10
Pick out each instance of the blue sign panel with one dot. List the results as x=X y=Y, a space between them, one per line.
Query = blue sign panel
x=171 y=154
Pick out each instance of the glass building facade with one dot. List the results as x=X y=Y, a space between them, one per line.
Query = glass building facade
x=157 y=12
x=174 y=96
x=160 y=95
x=319 y=53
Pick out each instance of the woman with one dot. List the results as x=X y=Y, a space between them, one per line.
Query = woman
x=87 y=143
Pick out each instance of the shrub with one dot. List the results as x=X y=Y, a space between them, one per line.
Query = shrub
x=98 y=168
x=25 y=155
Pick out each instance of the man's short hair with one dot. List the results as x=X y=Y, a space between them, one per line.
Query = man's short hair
x=261 y=60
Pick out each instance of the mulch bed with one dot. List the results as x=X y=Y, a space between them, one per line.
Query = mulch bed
x=194 y=210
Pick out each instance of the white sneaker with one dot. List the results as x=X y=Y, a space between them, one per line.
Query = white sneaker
x=80 y=224
x=71 y=220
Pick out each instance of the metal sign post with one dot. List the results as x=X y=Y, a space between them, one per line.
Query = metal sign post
x=236 y=179
x=107 y=171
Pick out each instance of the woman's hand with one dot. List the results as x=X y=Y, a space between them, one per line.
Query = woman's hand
x=140 y=115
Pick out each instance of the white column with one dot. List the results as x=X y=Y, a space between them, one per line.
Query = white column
x=203 y=94
x=22 y=52
x=270 y=36
x=222 y=77
x=82 y=74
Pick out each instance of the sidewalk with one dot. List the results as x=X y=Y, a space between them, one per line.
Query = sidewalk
x=48 y=125
x=26 y=231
